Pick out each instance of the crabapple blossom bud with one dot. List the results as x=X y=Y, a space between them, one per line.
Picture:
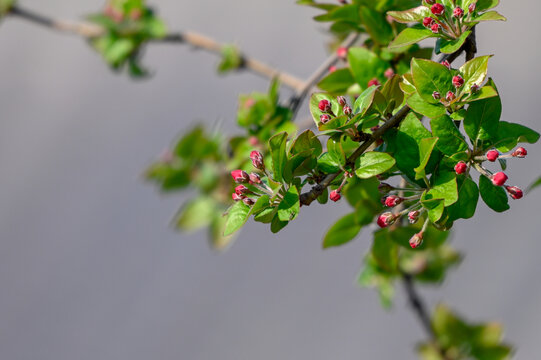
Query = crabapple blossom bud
x=450 y=96
x=389 y=73
x=428 y=22
x=325 y=105
x=520 y=152
x=471 y=8
x=240 y=176
x=374 y=82
x=332 y=68
x=342 y=101
x=515 y=192
x=386 y=219
x=447 y=64
x=413 y=216
x=242 y=190
x=257 y=160
x=342 y=52
x=416 y=240
x=248 y=201
x=430 y=2
x=347 y=110
x=436 y=95
x=458 y=12
x=474 y=88
x=437 y=9
x=461 y=168
x=393 y=200
x=335 y=196
x=255 y=178
x=324 y=118
x=493 y=155
x=435 y=28
x=253 y=141
x=237 y=197
x=458 y=81
x=136 y=14
x=499 y=179
x=384 y=188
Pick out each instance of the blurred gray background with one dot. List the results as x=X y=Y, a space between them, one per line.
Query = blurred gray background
x=90 y=269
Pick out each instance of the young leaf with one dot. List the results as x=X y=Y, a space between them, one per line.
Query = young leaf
x=374 y=163
x=419 y=105
x=482 y=119
x=306 y=141
x=342 y=232
x=364 y=101
x=277 y=146
x=490 y=16
x=483 y=5
x=494 y=196
x=450 y=46
x=445 y=187
x=412 y=15
x=337 y=82
x=365 y=65
x=425 y=150
x=430 y=76
x=376 y=25
x=474 y=72
x=410 y=36
x=451 y=140
x=468 y=196
x=385 y=251
x=237 y=216
x=290 y=206
x=510 y=134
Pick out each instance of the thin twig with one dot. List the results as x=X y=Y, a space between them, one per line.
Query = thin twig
x=198 y=41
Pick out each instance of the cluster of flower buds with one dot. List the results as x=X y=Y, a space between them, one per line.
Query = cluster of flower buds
x=257 y=186
x=325 y=106
x=373 y=82
x=450 y=25
x=499 y=178
x=118 y=16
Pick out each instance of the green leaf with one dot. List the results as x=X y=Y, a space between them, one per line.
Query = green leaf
x=450 y=46
x=392 y=92
x=451 y=140
x=419 y=105
x=410 y=133
x=365 y=65
x=490 y=16
x=412 y=15
x=307 y=140
x=410 y=36
x=335 y=150
x=468 y=196
x=290 y=206
x=494 y=196
x=482 y=118
x=5 y=5
x=444 y=187
x=277 y=224
x=430 y=76
x=231 y=59
x=483 y=5
x=435 y=207
x=337 y=82
x=534 y=185
x=484 y=93
x=327 y=164
x=374 y=163
x=314 y=105
x=510 y=134
x=365 y=100
x=195 y=214
x=218 y=241
x=474 y=72
x=236 y=217
x=376 y=25
x=342 y=232
x=277 y=145
x=385 y=251
x=425 y=150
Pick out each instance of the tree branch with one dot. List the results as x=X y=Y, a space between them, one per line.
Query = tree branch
x=198 y=41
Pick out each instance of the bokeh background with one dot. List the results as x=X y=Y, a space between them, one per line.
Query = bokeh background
x=90 y=269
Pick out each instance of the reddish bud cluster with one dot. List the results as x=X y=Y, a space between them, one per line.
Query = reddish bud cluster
x=428 y=22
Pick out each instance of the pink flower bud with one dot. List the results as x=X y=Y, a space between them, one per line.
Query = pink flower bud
x=255 y=179
x=461 y=168
x=325 y=105
x=332 y=68
x=335 y=196
x=240 y=176
x=248 y=201
x=386 y=219
x=242 y=190
x=428 y=22
x=436 y=95
x=437 y=9
x=389 y=73
x=384 y=188
x=515 y=192
x=257 y=160
x=471 y=8
x=520 y=152
x=447 y=64
x=393 y=200
x=458 y=12
x=474 y=88
x=347 y=110
x=435 y=28
x=450 y=96
x=342 y=101
x=374 y=82
x=324 y=118
x=413 y=216
x=253 y=141
x=136 y=14
x=499 y=179
x=458 y=81
x=237 y=197
x=493 y=155
x=342 y=53
x=416 y=240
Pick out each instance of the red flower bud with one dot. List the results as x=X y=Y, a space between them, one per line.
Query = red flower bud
x=242 y=190
x=342 y=53
x=324 y=118
x=325 y=105
x=474 y=88
x=255 y=179
x=386 y=219
x=515 y=192
x=389 y=73
x=428 y=22
x=253 y=141
x=461 y=168
x=384 y=188
x=447 y=64
x=347 y=110
x=342 y=101
x=374 y=82
x=136 y=14
x=248 y=201
x=499 y=179
x=437 y=9
x=416 y=240
x=450 y=96
x=335 y=196
x=435 y=28
x=458 y=81
x=413 y=216
x=240 y=176
x=520 y=153
x=493 y=155
x=257 y=160
x=436 y=95
x=393 y=200
x=332 y=68
x=458 y=12
x=237 y=197
x=471 y=8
